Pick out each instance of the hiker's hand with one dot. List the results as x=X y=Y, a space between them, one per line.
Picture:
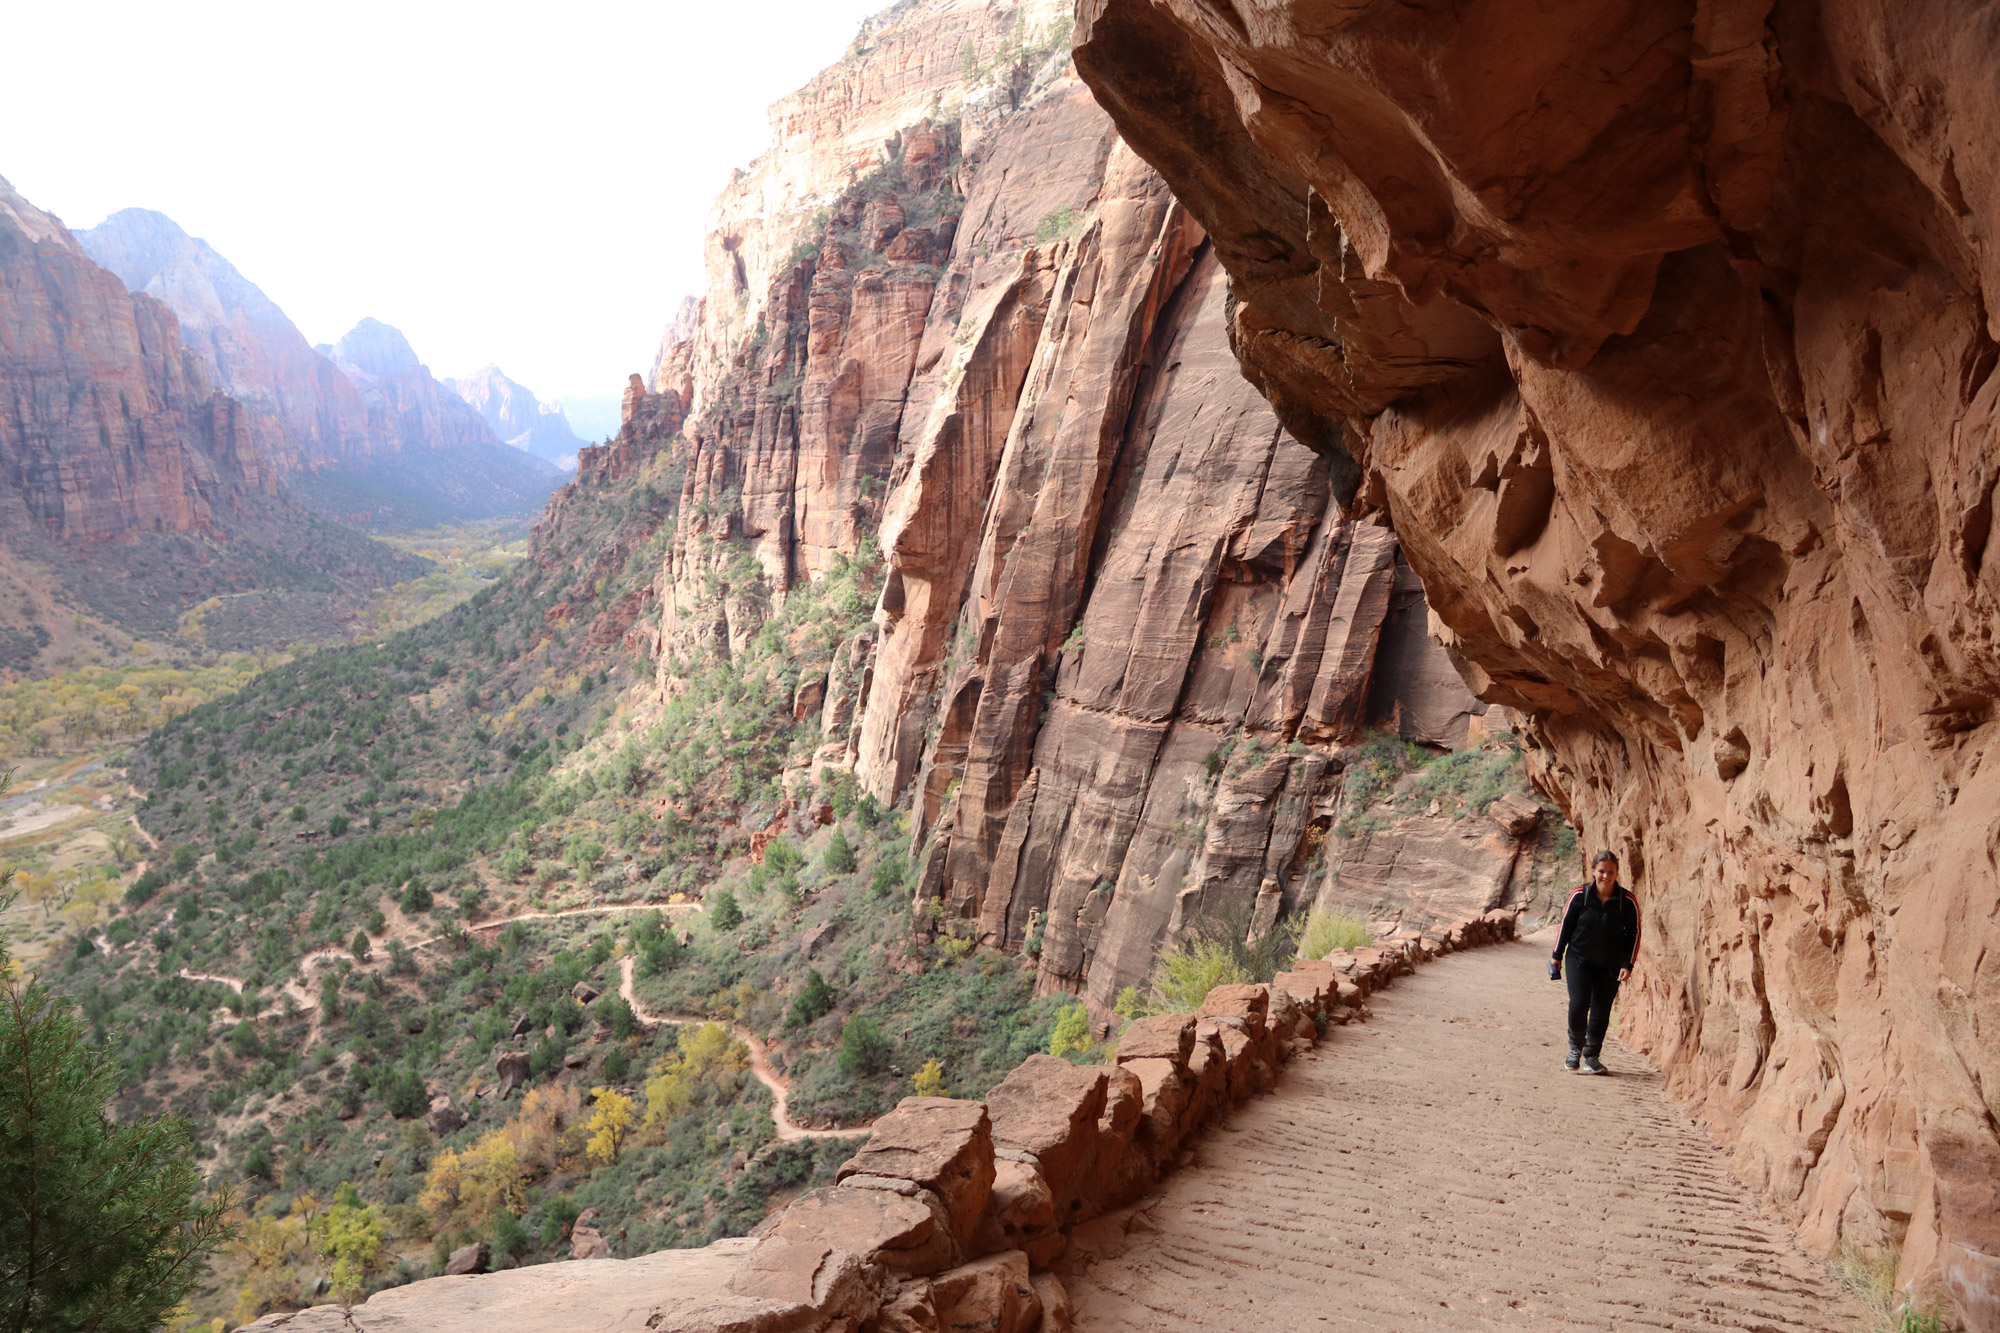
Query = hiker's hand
x=1624 y=975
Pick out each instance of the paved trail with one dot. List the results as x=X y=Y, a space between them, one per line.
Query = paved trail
x=1436 y=1168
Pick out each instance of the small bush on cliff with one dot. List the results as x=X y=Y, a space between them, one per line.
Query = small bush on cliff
x=1182 y=977
x=1326 y=931
x=1072 y=1031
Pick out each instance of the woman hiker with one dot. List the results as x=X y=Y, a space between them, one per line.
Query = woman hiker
x=1601 y=932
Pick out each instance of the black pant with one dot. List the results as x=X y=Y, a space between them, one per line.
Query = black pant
x=1592 y=988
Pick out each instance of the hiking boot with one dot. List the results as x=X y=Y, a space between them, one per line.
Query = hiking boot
x=1569 y=1061
x=1591 y=1065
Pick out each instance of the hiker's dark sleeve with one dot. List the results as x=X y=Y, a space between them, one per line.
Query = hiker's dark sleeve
x=1570 y=914
x=1638 y=925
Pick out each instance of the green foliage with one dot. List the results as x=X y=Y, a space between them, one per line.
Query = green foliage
x=1183 y=975
x=838 y=859
x=723 y=911
x=359 y=946
x=1056 y=225
x=403 y=1093
x=337 y=826
x=864 y=1048
x=1325 y=932
x=351 y=1238
x=814 y=1000
x=1072 y=1031
x=104 y=1226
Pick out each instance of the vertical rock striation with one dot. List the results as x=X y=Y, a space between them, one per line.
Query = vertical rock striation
x=1665 y=338
x=1124 y=634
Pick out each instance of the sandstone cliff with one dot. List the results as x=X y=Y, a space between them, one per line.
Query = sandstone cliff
x=1125 y=634
x=518 y=417
x=1665 y=337
x=132 y=485
x=332 y=420
x=432 y=456
x=306 y=413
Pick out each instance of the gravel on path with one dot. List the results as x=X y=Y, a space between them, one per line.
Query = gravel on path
x=1436 y=1168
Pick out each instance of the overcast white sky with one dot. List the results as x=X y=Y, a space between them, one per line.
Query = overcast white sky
x=517 y=183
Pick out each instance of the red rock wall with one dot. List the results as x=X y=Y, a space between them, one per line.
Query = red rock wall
x=1662 y=335
x=107 y=424
x=1124 y=632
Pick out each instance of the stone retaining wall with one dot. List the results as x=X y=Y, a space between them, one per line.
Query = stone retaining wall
x=955 y=1212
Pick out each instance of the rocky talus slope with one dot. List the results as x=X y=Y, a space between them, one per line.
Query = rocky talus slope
x=1666 y=338
x=954 y=1214
x=1125 y=631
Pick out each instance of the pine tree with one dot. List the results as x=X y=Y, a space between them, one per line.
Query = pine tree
x=104 y=1226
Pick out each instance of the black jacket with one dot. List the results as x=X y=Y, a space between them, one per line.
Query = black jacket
x=1605 y=933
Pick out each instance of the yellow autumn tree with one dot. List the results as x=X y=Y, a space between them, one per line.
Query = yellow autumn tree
x=468 y=1189
x=708 y=1059
x=610 y=1125
x=929 y=1080
x=351 y=1237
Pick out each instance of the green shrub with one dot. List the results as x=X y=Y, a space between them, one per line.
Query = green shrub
x=416 y=898
x=358 y=946
x=1325 y=932
x=1072 y=1031
x=1184 y=974
x=814 y=999
x=104 y=1225
x=864 y=1048
x=723 y=913
x=839 y=856
x=337 y=826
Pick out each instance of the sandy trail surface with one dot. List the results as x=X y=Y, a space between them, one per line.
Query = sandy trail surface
x=761 y=1068
x=1436 y=1168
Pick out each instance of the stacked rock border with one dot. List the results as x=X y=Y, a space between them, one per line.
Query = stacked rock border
x=955 y=1213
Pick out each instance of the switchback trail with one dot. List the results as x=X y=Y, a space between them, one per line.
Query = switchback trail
x=1437 y=1168
x=760 y=1064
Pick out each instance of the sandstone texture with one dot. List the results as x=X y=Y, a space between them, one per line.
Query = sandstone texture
x=305 y=410
x=130 y=484
x=1125 y=638
x=1664 y=338
x=955 y=1214
x=355 y=427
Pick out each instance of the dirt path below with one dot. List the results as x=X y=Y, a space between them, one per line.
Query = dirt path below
x=760 y=1063
x=1437 y=1168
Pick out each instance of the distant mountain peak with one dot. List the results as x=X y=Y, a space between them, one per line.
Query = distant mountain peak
x=518 y=417
x=30 y=221
x=372 y=350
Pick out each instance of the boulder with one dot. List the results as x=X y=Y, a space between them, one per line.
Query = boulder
x=512 y=1067
x=995 y=1295
x=1517 y=815
x=1249 y=1001
x=584 y=992
x=904 y=1227
x=474 y=1258
x=1048 y=1108
x=445 y=1118
x=1158 y=1037
x=1056 y=1315
x=587 y=1243
x=522 y=1026
x=944 y=1144
x=576 y=1059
